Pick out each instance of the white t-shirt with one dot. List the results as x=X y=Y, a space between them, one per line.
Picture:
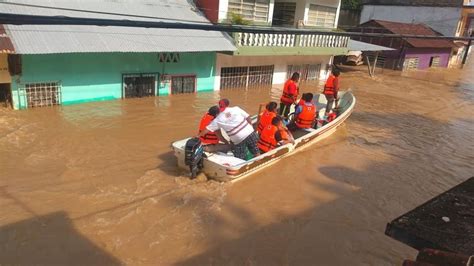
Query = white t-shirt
x=233 y=121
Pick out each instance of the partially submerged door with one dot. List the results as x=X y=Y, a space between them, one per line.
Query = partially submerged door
x=139 y=85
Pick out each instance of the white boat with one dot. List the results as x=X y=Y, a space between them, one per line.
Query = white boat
x=225 y=167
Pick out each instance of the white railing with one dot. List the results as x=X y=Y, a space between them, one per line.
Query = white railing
x=290 y=40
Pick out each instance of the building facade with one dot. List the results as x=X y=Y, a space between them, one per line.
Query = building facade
x=409 y=53
x=266 y=59
x=442 y=16
x=61 y=64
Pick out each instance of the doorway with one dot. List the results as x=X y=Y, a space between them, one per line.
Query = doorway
x=5 y=95
x=139 y=85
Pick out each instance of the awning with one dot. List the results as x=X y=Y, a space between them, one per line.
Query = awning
x=366 y=47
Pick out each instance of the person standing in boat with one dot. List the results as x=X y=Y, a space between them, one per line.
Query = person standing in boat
x=238 y=126
x=274 y=135
x=330 y=90
x=266 y=116
x=305 y=114
x=290 y=94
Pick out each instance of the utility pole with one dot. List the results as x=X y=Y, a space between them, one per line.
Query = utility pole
x=469 y=43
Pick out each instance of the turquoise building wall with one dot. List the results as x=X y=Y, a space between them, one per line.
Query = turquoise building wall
x=89 y=77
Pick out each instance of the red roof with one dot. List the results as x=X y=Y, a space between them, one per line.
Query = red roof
x=6 y=45
x=415 y=29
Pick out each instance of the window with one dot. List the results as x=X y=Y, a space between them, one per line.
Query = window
x=434 y=61
x=411 y=63
x=321 y=16
x=245 y=77
x=43 y=94
x=254 y=10
x=139 y=85
x=307 y=72
x=183 y=84
x=284 y=14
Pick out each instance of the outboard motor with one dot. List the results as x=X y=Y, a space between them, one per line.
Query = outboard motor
x=193 y=156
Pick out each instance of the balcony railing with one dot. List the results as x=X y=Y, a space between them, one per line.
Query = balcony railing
x=290 y=40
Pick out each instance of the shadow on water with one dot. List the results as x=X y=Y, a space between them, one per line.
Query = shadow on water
x=49 y=240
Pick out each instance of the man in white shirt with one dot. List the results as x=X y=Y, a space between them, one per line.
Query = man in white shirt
x=238 y=126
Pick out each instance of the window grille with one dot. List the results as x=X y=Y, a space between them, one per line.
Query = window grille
x=43 y=94
x=307 y=72
x=321 y=16
x=411 y=63
x=284 y=14
x=245 y=77
x=254 y=10
x=183 y=84
x=435 y=61
x=139 y=85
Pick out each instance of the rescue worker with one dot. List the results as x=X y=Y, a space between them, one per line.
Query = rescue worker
x=267 y=116
x=238 y=126
x=305 y=114
x=330 y=90
x=210 y=137
x=274 y=135
x=290 y=94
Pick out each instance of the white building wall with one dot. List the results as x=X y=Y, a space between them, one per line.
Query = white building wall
x=280 y=62
x=441 y=19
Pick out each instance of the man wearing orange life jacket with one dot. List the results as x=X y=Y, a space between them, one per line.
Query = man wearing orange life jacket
x=330 y=90
x=274 y=135
x=267 y=116
x=305 y=114
x=290 y=94
x=210 y=137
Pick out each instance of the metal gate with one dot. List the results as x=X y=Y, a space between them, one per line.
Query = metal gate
x=139 y=85
x=43 y=94
x=307 y=72
x=183 y=84
x=246 y=77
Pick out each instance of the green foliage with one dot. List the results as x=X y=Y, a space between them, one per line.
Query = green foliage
x=351 y=4
x=237 y=19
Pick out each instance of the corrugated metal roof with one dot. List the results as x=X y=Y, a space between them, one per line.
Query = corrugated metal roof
x=363 y=46
x=415 y=29
x=46 y=39
x=435 y=3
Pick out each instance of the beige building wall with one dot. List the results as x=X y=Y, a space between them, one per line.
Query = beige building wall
x=4 y=74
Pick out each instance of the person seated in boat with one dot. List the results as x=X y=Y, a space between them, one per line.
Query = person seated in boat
x=267 y=116
x=238 y=126
x=211 y=140
x=305 y=114
x=274 y=135
x=301 y=101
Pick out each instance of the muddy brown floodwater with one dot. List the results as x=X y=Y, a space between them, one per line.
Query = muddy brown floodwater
x=97 y=184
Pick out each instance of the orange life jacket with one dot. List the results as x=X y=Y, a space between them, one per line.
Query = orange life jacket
x=265 y=120
x=329 y=86
x=267 y=139
x=210 y=137
x=286 y=97
x=306 y=118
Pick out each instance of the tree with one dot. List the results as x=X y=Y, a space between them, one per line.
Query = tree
x=351 y=4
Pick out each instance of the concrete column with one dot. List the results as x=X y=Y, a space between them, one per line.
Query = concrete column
x=223 y=7
x=271 y=7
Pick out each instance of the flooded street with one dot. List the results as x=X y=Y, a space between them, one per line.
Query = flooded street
x=97 y=183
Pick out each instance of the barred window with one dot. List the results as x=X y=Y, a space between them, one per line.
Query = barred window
x=254 y=10
x=43 y=94
x=321 y=16
x=246 y=77
x=183 y=84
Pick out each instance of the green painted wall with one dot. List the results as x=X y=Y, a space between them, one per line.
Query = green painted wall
x=98 y=76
